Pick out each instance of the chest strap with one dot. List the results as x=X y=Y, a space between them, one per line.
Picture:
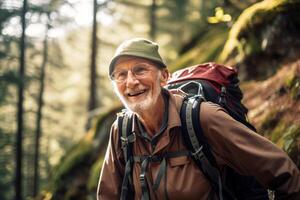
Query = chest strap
x=162 y=158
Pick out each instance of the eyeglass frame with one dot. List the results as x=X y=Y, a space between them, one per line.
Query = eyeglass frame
x=149 y=66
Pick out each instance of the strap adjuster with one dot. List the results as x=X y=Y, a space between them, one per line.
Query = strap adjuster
x=198 y=152
x=142 y=177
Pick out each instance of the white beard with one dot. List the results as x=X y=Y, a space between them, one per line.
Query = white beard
x=142 y=106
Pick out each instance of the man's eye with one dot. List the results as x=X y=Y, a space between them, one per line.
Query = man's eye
x=139 y=70
x=120 y=75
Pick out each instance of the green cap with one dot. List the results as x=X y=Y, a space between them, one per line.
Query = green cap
x=138 y=47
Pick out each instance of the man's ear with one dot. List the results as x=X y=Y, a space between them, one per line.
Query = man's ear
x=164 y=77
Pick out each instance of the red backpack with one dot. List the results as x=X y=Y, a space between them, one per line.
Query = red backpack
x=216 y=83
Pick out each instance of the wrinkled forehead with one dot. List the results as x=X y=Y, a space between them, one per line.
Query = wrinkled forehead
x=130 y=61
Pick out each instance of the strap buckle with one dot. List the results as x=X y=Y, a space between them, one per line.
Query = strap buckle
x=129 y=139
x=142 y=177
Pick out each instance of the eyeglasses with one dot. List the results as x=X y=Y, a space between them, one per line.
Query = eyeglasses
x=139 y=71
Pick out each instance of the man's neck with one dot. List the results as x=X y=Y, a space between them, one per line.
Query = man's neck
x=152 y=118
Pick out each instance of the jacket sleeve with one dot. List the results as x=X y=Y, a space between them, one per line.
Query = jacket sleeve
x=110 y=182
x=249 y=153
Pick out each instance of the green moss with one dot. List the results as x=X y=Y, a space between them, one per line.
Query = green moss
x=257 y=14
x=289 y=80
x=293 y=84
x=295 y=92
x=290 y=138
x=94 y=174
x=278 y=132
x=207 y=49
x=273 y=126
x=270 y=121
x=71 y=159
x=281 y=133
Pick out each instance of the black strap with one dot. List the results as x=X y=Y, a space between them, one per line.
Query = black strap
x=125 y=190
x=143 y=180
x=127 y=136
x=159 y=157
x=161 y=172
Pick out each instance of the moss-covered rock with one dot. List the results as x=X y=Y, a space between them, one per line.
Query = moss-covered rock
x=71 y=160
x=249 y=23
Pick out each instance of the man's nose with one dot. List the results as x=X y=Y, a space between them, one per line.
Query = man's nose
x=131 y=79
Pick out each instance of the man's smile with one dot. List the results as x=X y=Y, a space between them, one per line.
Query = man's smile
x=136 y=93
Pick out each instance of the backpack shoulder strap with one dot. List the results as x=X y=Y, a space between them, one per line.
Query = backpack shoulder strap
x=125 y=121
x=196 y=143
x=127 y=137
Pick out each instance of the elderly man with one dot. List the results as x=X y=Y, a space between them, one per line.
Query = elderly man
x=138 y=74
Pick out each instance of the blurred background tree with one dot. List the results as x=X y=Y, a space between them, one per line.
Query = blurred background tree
x=68 y=100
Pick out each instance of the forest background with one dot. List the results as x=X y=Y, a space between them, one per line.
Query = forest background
x=57 y=103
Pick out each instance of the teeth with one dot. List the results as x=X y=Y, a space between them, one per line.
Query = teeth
x=136 y=93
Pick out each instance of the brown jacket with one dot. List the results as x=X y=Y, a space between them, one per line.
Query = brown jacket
x=232 y=143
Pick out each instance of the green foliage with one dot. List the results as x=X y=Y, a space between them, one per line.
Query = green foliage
x=219 y=17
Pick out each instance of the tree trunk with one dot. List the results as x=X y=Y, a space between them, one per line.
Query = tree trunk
x=153 y=20
x=93 y=71
x=38 y=131
x=19 y=134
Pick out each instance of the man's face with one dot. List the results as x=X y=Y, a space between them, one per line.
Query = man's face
x=141 y=83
